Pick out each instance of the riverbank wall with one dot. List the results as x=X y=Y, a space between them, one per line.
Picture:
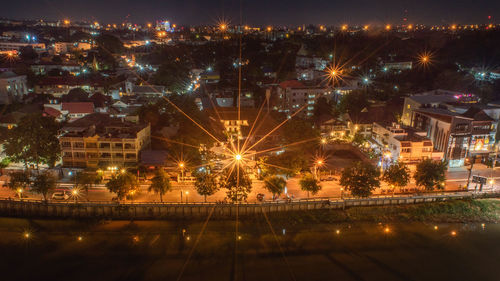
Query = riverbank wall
x=165 y=211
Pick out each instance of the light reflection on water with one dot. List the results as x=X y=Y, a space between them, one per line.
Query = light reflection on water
x=153 y=250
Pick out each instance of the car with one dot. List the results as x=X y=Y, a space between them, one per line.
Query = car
x=60 y=195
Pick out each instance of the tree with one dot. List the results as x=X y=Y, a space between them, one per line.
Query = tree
x=360 y=179
x=206 y=184
x=323 y=107
x=358 y=138
x=34 y=140
x=353 y=102
x=430 y=174
x=287 y=163
x=300 y=130
x=397 y=175
x=44 y=182
x=160 y=184
x=275 y=185
x=174 y=75
x=309 y=183
x=122 y=184
x=4 y=163
x=238 y=184
x=19 y=181
x=86 y=180
x=110 y=43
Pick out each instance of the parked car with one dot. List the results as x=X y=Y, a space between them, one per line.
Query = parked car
x=60 y=195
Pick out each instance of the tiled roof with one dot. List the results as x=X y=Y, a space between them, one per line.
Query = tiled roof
x=78 y=107
x=50 y=111
x=477 y=113
x=291 y=84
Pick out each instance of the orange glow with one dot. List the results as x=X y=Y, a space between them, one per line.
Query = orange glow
x=66 y=22
x=388 y=27
x=344 y=27
x=269 y=29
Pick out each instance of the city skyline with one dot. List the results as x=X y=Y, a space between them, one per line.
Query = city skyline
x=194 y=12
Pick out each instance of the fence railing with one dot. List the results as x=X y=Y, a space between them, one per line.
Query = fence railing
x=158 y=210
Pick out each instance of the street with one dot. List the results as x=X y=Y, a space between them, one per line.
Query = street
x=185 y=192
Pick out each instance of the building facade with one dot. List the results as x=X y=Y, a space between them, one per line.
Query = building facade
x=13 y=87
x=98 y=140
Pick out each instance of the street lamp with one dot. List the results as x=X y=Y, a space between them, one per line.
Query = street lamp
x=181 y=166
x=187 y=193
x=74 y=193
x=318 y=163
x=20 y=192
x=131 y=194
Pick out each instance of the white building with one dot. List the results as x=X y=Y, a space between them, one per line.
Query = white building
x=12 y=87
x=294 y=95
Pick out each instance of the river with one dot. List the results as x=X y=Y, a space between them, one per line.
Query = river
x=261 y=250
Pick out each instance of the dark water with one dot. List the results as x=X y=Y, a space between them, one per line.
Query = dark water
x=68 y=250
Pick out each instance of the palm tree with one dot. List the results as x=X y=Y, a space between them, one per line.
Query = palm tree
x=275 y=185
x=160 y=184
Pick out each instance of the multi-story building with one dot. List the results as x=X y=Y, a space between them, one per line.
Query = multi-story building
x=436 y=98
x=60 y=86
x=459 y=136
x=9 y=46
x=404 y=144
x=398 y=66
x=13 y=87
x=294 y=95
x=98 y=140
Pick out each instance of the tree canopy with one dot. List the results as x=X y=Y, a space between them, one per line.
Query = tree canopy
x=397 y=175
x=430 y=174
x=123 y=184
x=34 y=141
x=275 y=185
x=237 y=183
x=160 y=184
x=360 y=179
x=206 y=184
x=309 y=183
x=44 y=182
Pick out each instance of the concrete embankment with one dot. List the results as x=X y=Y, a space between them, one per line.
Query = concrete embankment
x=146 y=211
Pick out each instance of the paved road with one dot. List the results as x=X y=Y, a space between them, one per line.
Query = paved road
x=455 y=178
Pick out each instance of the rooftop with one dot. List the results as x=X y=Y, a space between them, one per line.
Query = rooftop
x=102 y=125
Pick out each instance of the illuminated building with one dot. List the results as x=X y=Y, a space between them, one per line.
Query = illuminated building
x=99 y=140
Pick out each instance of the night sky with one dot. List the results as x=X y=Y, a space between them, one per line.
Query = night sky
x=258 y=12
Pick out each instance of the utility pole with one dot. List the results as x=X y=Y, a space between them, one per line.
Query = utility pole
x=473 y=159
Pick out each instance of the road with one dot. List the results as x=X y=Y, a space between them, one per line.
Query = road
x=185 y=192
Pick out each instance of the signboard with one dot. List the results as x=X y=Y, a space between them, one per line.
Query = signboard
x=478 y=179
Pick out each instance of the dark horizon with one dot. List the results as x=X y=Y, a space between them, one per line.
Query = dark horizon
x=258 y=12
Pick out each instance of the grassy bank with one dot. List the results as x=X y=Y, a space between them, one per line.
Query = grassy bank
x=473 y=210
